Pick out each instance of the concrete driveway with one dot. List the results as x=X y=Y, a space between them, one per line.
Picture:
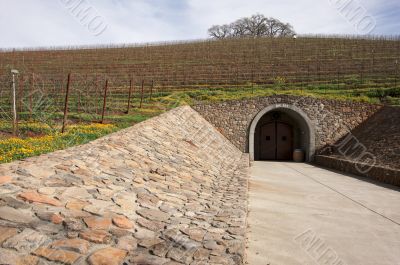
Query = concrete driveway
x=302 y=214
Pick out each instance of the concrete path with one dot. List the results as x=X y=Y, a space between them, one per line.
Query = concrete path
x=301 y=214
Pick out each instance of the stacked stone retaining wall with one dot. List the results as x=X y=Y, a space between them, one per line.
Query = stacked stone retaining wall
x=170 y=190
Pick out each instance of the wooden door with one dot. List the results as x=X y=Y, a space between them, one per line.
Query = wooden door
x=268 y=141
x=276 y=141
x=283 y=141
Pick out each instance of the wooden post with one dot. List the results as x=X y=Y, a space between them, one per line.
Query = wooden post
x=14 y=106
x=396 y=73
x=78 y=103
x=129 y=96
x=252 y=66
x=66 y=104
x=337 y=70
x=104 y=101
x=237 y=73
x=362 y=73
x=30 y=95
x=141 y=97
x=151 y=89
x=96 y=94
x=338 y=79
x=20 y=93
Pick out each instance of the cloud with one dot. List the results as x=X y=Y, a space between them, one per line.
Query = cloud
x=49 y=23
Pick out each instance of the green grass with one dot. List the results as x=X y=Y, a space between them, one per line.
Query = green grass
x=40 y=133
x=369 y=95
x=18 y=148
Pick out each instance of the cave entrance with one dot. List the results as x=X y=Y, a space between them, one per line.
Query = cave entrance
x=279 y=130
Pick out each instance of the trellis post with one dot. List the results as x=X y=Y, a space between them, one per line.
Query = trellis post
x=104 y=101
x=129 y=96
x=66 y=104
x=14 y=104
x=142 y=94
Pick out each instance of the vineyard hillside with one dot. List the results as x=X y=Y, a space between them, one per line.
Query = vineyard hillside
x=305 y=60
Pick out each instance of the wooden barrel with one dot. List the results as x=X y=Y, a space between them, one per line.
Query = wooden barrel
x=298 y=155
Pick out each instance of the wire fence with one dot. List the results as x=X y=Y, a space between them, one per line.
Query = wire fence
x=75 y=93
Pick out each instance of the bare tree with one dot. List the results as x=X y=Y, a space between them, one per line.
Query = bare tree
x=220 y=32
x=286 y=30
x=239 y=28
x=255 y=26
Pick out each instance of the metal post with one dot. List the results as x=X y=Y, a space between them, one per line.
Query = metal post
x=14 y=107
x=104 y=101
x=129 y=96
x=66 y=104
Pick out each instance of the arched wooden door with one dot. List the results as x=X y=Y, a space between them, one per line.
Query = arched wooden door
x=276 y=141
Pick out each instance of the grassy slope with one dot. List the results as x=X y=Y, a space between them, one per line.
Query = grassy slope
x=43 y=135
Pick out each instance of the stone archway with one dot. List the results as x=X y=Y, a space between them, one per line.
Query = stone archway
x=305 y=125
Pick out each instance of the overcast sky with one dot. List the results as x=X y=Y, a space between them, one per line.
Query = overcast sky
x=28 y=23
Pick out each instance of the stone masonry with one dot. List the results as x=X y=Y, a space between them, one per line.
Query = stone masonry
x=379 y=137
x=354 y=137
x=170 y=190
x=332 y=119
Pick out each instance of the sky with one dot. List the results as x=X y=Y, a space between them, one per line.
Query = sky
x=48 y=23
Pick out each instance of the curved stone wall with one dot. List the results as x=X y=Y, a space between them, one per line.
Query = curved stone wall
x=331 y=119
x=295 y=113
x=358 y=138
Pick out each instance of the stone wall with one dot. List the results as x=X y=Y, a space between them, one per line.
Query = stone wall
x=170 y=190
x=378 y=136
x=371 y=150
x=358 y=138
x=374 y=172
x=331 y=119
